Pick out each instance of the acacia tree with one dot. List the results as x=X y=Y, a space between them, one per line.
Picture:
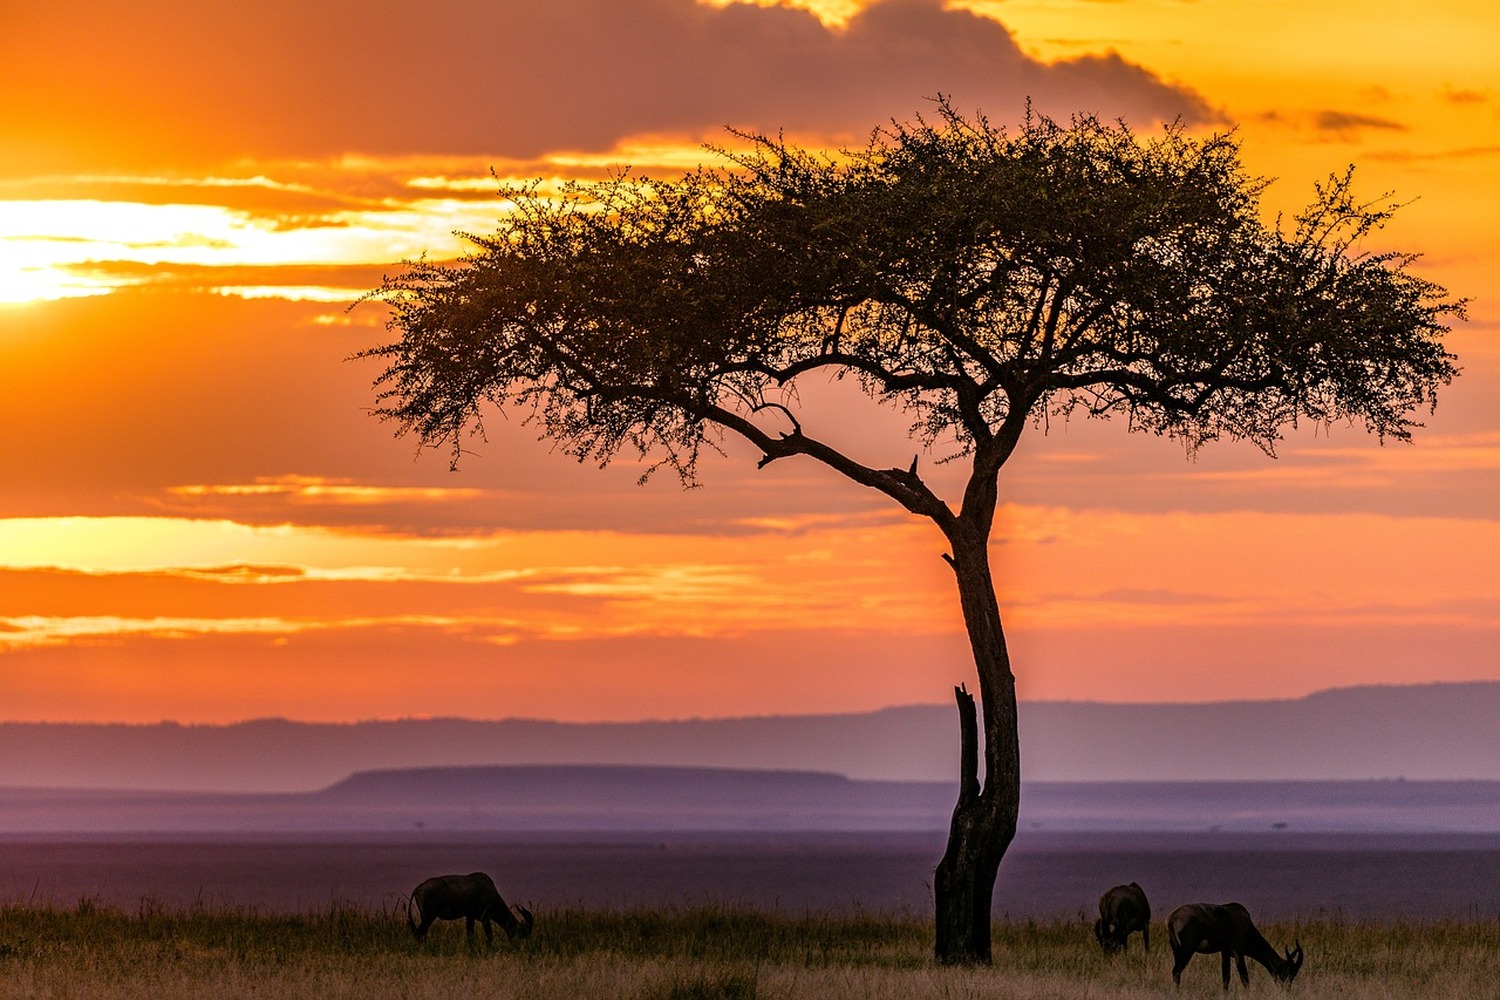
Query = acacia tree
x=982 y=280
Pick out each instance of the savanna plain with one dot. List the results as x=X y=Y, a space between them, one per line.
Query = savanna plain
x=92 y=950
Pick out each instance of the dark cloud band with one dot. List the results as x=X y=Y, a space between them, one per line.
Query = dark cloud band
x=182 y=79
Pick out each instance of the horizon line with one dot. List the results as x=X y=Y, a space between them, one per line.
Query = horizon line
x=687 y=720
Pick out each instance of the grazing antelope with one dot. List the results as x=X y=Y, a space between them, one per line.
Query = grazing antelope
x=1123 y=910
x=472 y=897
x=1204 y=928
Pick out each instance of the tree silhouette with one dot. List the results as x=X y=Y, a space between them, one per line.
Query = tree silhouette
x=981 y=279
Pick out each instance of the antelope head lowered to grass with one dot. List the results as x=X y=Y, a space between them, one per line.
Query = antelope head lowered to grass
x=1123 y=910
x=1204 y=928
x=470 y=897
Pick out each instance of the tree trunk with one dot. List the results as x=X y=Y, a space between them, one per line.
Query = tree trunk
x=984 y=819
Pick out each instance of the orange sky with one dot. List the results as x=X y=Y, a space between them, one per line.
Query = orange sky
x=199 y=521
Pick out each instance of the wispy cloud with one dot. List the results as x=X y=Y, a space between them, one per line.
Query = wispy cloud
x=1435 y=155
x=1351 y=122
x=37 y=630
x=1331 y=124
x=1464 y=95
x=33 y=631
x=317 y=489
x=1059 y=569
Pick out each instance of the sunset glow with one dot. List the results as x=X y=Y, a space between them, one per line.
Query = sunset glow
x=199 y=519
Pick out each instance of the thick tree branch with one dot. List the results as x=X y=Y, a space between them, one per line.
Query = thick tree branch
x=902 y=485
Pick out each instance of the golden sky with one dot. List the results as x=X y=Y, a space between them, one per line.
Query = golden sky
x=199 y=520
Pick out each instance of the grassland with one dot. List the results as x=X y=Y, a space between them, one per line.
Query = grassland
x=703 y=954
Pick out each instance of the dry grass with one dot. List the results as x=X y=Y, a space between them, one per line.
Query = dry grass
x=707 y=954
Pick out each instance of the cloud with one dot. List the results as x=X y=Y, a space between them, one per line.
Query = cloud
x=1436 y=155
x=1463 y=95
x=1332 y=123
x=1058 y=567
x=35 y=630
x=338 y=283
x=1349 y=121
x=320 y=490
x=182 y=79
x=322 y=610
x=562 y=584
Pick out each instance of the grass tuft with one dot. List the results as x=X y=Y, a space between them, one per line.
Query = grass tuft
x=708 y=986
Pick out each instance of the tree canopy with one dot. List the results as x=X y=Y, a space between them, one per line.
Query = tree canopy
x=976 y=276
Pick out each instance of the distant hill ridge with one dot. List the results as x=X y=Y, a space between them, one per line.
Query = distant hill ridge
x=550 y=799
x=600 y=785
x=1433 y=732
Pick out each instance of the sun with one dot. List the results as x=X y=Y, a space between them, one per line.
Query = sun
x=22 y=286
x=40 y=242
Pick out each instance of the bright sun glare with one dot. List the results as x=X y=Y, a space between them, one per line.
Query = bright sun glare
x=25 y=285
x=55 y=249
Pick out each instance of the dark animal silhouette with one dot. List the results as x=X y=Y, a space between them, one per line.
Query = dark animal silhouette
x=1203 y=928
x=1123 y=910
x=472 y=897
